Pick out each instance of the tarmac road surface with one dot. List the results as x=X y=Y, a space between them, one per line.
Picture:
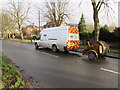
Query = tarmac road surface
x=60 y=70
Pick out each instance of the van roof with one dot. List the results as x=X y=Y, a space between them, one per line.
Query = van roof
x=60 y=27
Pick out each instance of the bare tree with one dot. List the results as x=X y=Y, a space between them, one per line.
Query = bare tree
x=97 y=6
x=7 y=24
x=19 y=10
x=56 y=11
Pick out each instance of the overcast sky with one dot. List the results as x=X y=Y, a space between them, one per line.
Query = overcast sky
x=76 y=11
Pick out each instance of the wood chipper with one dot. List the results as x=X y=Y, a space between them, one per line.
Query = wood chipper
x=95 y=49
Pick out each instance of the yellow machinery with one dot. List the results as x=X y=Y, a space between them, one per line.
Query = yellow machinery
x=95 y=49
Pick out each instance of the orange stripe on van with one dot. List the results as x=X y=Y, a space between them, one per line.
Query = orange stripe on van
x=77 y=44
x=73 y=30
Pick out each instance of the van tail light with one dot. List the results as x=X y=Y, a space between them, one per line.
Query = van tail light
x=66 y=44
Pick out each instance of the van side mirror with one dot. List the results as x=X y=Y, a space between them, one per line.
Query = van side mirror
x=38 y=38
x=34 y=38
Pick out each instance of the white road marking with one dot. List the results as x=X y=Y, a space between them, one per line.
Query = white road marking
x=50 y=54
x=108 y=70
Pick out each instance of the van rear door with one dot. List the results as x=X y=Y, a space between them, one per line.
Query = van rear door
x=73 y=38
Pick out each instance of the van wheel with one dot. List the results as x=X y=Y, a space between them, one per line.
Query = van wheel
x=54 y=48
x=92 y=56
x=36 y=46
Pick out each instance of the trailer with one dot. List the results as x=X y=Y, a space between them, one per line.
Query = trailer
x=95 y=49
x=66 y=38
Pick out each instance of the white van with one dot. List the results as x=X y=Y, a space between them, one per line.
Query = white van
x=61 y=38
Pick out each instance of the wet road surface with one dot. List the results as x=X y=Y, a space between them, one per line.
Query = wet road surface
x=60 y=70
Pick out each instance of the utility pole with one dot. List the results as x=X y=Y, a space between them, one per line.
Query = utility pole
x=39 y=18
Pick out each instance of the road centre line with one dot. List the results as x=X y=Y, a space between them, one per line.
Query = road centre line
x=50 y=54
x=108 y=70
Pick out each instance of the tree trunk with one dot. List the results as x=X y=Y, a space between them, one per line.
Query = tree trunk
x=21 y=33
x=9 y=36
x=96 y=25
x=13 y=36
x=2 y=33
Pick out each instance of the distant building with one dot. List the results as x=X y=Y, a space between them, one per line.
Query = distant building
x=31 y=30
x=49 y=24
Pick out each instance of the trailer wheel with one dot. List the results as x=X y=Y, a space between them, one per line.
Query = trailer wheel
x=36 y=46
x=54 y=48
x=92 y=56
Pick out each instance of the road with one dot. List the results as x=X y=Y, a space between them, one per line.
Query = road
x=60 y=70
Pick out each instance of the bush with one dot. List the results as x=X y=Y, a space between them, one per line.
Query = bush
x=104 y=35
x=84 y=37
x=116 y=34
x=107 y=36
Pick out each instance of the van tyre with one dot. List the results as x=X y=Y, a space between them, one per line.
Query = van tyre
x=36 y=46
x=54 y=48
x=92 y=56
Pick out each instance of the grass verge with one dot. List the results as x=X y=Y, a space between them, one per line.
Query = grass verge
x=115 y=50
x=17 y=39
x=10 y=77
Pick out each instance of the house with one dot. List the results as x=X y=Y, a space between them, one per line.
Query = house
x=49 y=24
x=31 y=30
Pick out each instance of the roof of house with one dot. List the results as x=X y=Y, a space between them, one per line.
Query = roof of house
x=49 y=23
x=31 y=26
x=71 y=24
